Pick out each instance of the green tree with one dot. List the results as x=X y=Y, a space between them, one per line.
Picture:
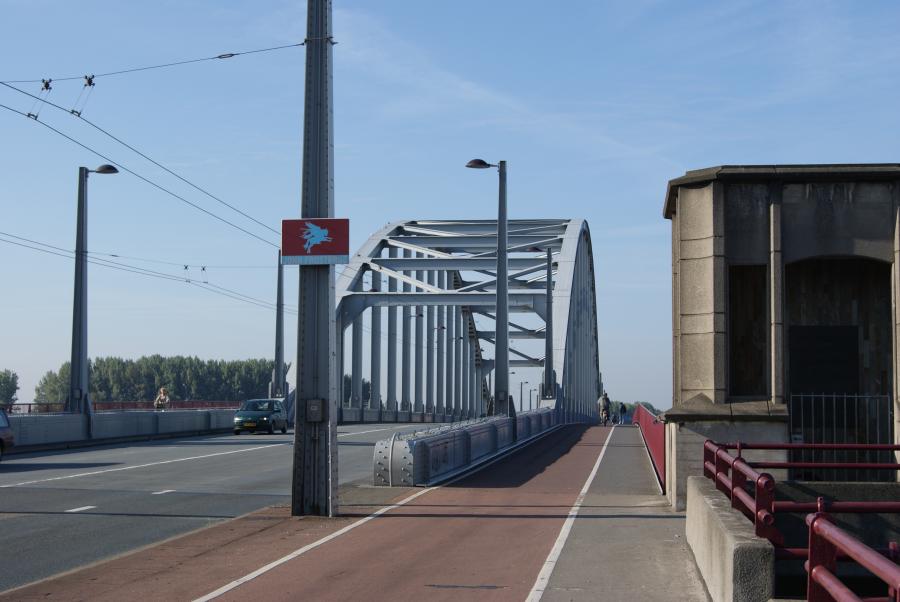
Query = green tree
x=9 y=384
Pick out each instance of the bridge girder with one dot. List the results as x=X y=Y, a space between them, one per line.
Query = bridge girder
x=441 y=274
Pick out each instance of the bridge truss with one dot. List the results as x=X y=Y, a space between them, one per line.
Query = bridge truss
x=432 y=360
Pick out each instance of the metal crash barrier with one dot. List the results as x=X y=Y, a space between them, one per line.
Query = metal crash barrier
x=437 y=454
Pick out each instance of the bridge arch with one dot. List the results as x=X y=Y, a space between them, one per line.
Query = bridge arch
x=431 y=359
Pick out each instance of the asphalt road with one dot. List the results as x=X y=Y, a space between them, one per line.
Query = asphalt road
x=65 y=509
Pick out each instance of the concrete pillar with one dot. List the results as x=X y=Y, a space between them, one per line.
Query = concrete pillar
x=441 y=366
x=419 y=391
x=356 y=364
x=392 y=344
x=776 y=304
x=405 y=375
x=375 y=384
x=429 y=351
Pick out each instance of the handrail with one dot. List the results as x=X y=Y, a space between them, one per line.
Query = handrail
x=654 y=434
x=826 y=540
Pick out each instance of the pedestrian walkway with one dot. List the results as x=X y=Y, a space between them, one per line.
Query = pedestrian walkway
x=513 y=531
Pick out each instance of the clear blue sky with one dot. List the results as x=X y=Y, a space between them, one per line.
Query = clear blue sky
x=595 y=105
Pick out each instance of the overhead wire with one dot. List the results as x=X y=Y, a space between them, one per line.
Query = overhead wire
x=225 y=55
x=140 y=177
x=69 y=254
x=78 y=115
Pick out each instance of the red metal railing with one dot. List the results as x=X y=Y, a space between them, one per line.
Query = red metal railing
x=654 y=432
x=826 y=542
x=753 y=493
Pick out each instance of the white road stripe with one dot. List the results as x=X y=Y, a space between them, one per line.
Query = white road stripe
x=543 y=578
x=306 y=548
x=394 y=428
x=249 y=577
x=163 y=492
x=81 y=509
x=121 y=468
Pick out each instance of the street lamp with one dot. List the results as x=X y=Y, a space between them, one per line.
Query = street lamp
x=501 y=340
x=78 y=375
x=521 y=396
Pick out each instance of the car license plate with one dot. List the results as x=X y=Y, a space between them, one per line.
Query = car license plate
x=249 y=424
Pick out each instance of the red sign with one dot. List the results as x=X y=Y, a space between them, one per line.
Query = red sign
x=315 y=241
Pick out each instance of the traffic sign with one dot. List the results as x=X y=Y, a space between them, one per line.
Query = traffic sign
x=315 y=241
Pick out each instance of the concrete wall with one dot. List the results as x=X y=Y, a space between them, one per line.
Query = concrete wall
x=736 y=565
x=35 y=430
x=684 y=449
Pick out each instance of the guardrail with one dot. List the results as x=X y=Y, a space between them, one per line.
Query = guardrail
x=429 y=456
x=753 y=494
x=826 y=542
x=654 y=433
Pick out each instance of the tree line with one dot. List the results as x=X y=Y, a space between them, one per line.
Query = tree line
x=118 y=379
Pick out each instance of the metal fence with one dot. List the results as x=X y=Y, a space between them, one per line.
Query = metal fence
x=841 y=418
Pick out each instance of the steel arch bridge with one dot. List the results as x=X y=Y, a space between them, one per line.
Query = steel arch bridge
x=433 y=361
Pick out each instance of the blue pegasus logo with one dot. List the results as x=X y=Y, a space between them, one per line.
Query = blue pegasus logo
x=314 y=235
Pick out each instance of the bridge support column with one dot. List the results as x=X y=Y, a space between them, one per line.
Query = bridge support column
x=375 y=381
x=420 y=344
x=451 y=346
x=429 y=351
x=466 y=368
x=392 y=344
x=405 y=376
x=356 y=364
x=549 y=387
x=440 y=366
x=458 y=363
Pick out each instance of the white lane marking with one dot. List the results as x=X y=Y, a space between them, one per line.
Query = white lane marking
x=543 y=578
x=164 y=491
x=306 y=548
x=249 y=577
x=393 y=428
x=81 y=509
x=121 y=468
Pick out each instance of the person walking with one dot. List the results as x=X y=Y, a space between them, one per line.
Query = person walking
x=162 y=400
x=623 y=411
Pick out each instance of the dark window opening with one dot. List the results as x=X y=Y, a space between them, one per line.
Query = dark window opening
x=747 y=330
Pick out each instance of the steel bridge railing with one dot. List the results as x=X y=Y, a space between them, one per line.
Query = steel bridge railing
x=654 y=433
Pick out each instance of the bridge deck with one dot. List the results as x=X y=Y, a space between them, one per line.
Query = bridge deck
x=488 y=536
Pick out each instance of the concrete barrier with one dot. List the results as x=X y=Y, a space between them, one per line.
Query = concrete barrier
x=64 y=430
x=736 y=565
x=437 y=454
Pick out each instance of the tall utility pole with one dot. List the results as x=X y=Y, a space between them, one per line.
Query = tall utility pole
x=277 y=388
x=315 y=435
x=501 y=346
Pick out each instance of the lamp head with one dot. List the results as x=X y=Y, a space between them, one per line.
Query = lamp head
x=106 y=169
x=479 y=164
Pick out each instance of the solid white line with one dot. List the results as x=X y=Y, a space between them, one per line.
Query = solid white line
x=82 y=508
x=543 y=578
x=164 y=491
x=307 y=548
x=393 y=428
x=326 y=539
x=121 y=468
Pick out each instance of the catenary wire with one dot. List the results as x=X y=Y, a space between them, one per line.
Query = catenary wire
x=225 y=55
x=67 y=254
x=136 y=151
x=140 y=177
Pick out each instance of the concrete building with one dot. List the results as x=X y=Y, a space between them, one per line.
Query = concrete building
x=784 y=307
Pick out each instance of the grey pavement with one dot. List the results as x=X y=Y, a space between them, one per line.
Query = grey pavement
x=626 y=542
x=65 y=509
